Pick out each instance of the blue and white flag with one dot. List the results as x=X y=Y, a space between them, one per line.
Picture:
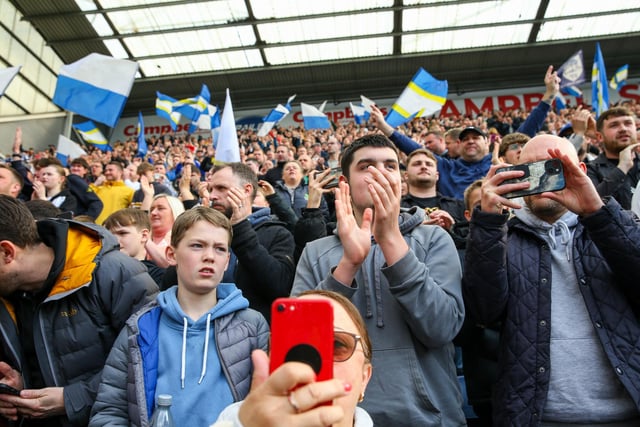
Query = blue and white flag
x=67 y=149
x=366 y=103
x=275 y=116
x=313 y=118
x=571 y=73
x=164 y=109
x=599 y=89
x=96 y=87
x=227 y=149
x=209 y=119
x=92 y=135
x=6 y=77
x=619 y=79
x=573 y=91
x=360 y=113
x=561 y=103
x=423 y=95
x=193 y=108
x=142 y=142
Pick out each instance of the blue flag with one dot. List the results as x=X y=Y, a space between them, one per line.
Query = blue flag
x=619 y=79
x=142 y=142
x=96 y=87
x=164 y=109
x=275 y=116
x=599 y=88
x=423 y=95
x=193 y=108
x=313 y=118
x=92 y=135
x=571 y=73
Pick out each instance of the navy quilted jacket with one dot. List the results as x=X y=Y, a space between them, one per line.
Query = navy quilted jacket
x=507 y=277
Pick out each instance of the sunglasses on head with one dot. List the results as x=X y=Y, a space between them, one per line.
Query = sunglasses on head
x=344 y=345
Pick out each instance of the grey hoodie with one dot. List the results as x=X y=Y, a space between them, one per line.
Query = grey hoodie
x=413 y=310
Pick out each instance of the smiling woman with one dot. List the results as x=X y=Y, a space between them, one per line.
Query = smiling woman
x=164 y=210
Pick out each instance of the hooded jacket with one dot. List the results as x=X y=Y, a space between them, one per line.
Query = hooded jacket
x=80 y=317
x=412 y=309
x=162 y=351
x=508 y=277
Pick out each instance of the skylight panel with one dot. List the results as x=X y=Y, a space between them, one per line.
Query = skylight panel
x=266 y=9
x=201 y=63
x=464 y=39
x=321 y=28
x=583 y=27
x=357 y=48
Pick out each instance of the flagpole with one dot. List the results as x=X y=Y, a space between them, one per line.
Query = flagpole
x=68 y=121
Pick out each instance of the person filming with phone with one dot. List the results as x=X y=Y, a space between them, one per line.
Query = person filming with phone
x=562 y=278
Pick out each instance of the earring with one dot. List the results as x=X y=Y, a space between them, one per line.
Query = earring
x=361 y=397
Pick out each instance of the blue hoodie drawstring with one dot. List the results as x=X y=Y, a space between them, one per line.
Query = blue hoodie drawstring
x=183 y=368
x=206 y=349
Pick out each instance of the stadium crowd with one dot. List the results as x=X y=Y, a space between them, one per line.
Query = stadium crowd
x=411 y=224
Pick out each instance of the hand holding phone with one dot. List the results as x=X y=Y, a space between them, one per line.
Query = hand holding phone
x=302 y=331
x=542 y=176
x=336 y=173
x=7 y=389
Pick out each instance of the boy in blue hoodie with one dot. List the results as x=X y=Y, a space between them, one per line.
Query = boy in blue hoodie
x=194 y=342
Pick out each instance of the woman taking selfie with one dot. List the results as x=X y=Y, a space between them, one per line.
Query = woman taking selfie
x=50 y=185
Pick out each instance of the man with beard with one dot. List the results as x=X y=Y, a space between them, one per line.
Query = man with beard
x=261 y=263
x=422 y=176
x=615 y=172
x=562 y=278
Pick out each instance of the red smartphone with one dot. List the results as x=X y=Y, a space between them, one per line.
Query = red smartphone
x=302 y=331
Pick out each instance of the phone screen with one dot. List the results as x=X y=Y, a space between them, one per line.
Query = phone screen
x=543 y=176
x=302 y=331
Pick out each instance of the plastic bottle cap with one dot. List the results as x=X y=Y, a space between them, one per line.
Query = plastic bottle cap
x=164 y=399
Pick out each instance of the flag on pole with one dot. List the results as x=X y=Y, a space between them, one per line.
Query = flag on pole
x=96 y=87
x=209 y=119
x=142 y=142
x=67 y=149
x=275 y=116
x=423 y=95
x=227 y=149
x=193 y=108
x=6 y=77
x=92 y=135
x=619 y=79
x=366 y=103
x=599 y=89
x=360 y=113
x=571 y=73
x=164 y=109
x=313 y=118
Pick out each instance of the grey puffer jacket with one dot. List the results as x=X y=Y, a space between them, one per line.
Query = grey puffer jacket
x=507 y=277
x=129 y=373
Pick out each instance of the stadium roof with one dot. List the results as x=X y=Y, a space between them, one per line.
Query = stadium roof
x=267 y=50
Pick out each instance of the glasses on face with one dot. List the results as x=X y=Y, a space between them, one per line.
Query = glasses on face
x=344 y=345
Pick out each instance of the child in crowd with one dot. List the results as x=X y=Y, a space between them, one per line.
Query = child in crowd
x=194 y=342
x=132 y=228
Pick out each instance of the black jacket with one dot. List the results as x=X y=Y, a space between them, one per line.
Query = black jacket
x=611 y=181
x=506 y=278
x=76 y=324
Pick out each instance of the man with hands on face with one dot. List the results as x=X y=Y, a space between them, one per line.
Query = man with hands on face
x=405 y=280
x=262 y=249
x=562 y=277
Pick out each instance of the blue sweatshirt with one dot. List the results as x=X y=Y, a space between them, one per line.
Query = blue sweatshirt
x=189 y=368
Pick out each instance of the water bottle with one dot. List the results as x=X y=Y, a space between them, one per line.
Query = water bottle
x=162 y=414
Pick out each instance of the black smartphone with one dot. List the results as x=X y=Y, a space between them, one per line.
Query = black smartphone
x=7 y=389
x=543 y=176
x=336 y=173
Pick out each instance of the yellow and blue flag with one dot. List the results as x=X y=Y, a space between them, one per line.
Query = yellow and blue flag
x=619 y=79
x=423 y=95
x=599 y=88
x=164 y=109
x=193 y=108
x=92 y=135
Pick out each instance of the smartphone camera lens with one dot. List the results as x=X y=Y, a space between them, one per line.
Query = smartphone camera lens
x=280 y=308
